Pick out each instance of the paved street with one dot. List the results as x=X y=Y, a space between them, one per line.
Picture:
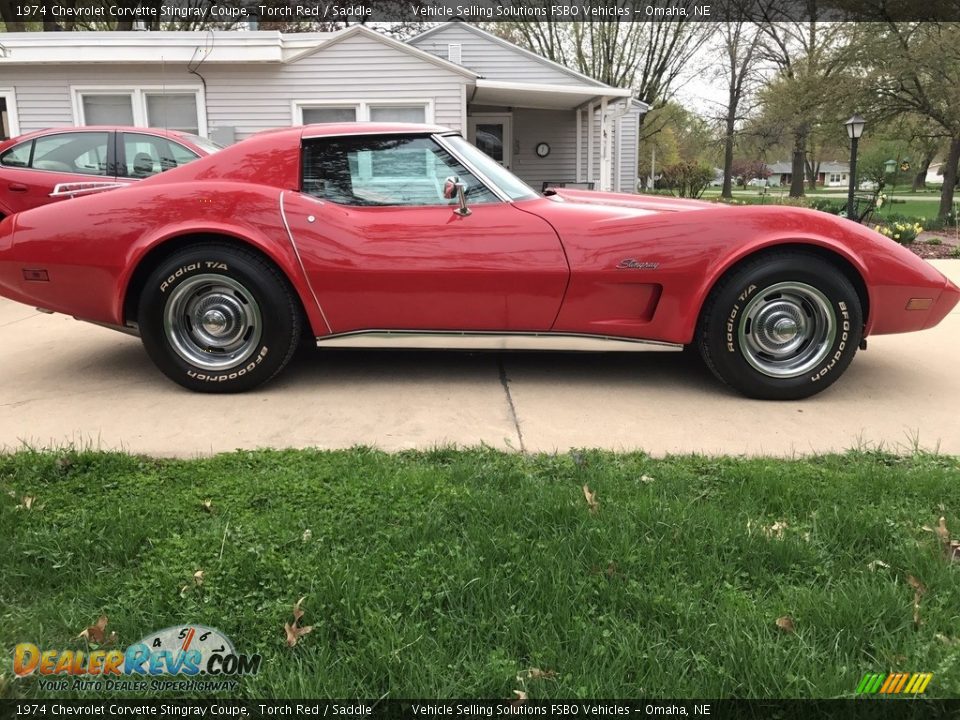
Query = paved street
x=70 y=382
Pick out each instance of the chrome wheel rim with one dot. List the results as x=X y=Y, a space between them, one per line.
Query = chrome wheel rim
x=212 y=322
x=787 y=329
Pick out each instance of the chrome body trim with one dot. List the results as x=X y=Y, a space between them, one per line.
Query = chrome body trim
x=492 y=340
x=303 y=269
x=72 y=189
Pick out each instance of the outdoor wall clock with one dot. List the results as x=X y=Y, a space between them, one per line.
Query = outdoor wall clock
x=543 y=149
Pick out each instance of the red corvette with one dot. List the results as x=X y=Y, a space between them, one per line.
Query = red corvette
x=366 y=234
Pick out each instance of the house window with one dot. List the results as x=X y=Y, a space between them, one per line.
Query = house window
x=398 y=113
x=107 y=109
x=176 y=108
x=331 y=114
x=306 y=112
x=9 y=124
x=175 y=111
x=835 y=177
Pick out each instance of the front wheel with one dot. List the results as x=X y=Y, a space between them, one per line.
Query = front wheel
x=782 y=327
x=217 y=318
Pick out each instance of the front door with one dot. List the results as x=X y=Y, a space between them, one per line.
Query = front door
x=492 y=133
x=384 y=249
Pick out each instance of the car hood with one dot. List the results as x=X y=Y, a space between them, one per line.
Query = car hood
x=651 y=203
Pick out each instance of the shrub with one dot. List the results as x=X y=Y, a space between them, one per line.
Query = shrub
x=902 y=232
x=828 y=206
x=686 y=179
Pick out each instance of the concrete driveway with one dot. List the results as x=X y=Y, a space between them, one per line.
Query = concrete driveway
x=65 y=382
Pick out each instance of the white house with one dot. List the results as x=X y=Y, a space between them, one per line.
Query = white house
x=546 y=122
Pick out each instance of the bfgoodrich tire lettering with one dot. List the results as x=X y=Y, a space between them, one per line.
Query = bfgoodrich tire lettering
x=783 y=326
x=218 y=318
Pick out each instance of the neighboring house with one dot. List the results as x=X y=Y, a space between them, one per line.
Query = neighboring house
x=228 y=85
x=935 y=174
x=831 y=174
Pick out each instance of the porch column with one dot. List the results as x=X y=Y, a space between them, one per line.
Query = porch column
x=590 y=119
x=579 y=112
x=604 y=146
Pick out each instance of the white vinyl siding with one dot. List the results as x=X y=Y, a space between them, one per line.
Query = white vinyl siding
x=493 y=60
x=557 y=128
x=250 y=96
x=253 y=97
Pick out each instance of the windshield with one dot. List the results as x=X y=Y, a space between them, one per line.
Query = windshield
x=203 y=143
x=514 y=187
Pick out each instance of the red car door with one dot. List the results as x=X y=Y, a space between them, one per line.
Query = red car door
x=30 y=170
x=427 y=268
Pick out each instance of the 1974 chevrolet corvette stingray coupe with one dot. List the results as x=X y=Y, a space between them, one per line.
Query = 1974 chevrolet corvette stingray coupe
x=406 y=235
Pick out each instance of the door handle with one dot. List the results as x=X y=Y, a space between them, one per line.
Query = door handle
x=17 y=187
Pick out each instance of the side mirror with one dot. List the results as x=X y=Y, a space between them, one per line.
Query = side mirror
x=453 y=188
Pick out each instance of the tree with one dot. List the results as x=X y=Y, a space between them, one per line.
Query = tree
x=743 y=171
x=812 y=58
x=673 y=134
x=915 y=68
x=739 y=42
x=646 y=56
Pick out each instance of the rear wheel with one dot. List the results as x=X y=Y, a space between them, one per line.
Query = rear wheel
x=217 y=318
x=781 y=327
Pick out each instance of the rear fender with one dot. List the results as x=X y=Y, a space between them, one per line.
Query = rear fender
x=260 y=226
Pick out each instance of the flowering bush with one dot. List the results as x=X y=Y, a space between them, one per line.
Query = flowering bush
x=902 y=232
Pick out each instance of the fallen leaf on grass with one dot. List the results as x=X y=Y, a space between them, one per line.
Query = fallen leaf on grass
x=207 y=505
x=775 y=530
x=646 y=479
x=942 y=533
x=591 y=498
x=785 y=623
x=521 y=696
x=945 y=640
x=874 y=564
x=294 y=630
x=307 y=534
x=96 y=634
x=919 y=590
x=27 y=502
x=197 y=581
x=536 y=674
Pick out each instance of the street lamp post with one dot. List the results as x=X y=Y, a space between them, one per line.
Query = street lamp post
x=854 y=131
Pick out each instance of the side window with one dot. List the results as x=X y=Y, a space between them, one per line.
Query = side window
x=18 y=155
x=398 y=171
x=84 y=153
x=146 y=155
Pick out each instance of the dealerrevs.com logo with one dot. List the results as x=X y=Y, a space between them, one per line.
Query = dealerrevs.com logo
x=200 y=658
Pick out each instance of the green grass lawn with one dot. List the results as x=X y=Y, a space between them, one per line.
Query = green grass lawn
x=925 y=207
x=454 y=573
